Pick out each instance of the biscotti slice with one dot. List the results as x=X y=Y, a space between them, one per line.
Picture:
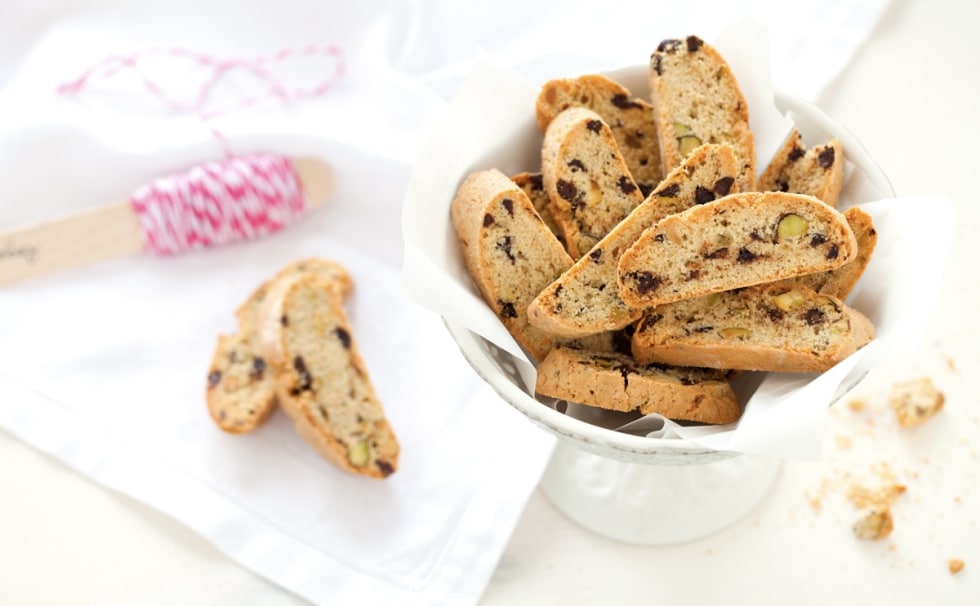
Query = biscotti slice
x=511 y=255
x=586 y=178
x=758 y=328
x=241 y=393
x=585 y=299
x=839 y=282
x=818 y=171
x=739 y=240
x=630 y=119
x=617 y=382
x=697 y=100
x=533 y=186
x=322 y=381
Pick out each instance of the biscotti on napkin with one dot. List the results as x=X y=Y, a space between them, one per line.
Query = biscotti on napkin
x=708 y=272
x=271 y=361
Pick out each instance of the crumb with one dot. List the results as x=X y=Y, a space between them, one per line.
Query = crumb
x=857 y=404
x=876 y=523
x=951 y=363
x=956 y=499
x=916 y=401
x=842 y=441
x=955 y=565
x=863 y=497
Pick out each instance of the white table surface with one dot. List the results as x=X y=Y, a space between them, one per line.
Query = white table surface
x=911 y=97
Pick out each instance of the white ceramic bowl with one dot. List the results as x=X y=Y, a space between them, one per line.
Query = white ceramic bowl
x=498 y=368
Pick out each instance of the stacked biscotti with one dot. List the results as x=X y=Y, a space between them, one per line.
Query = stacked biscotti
x=645 y=263
x=296 y=350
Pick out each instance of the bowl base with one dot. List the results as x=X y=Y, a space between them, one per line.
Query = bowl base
x=646 y=504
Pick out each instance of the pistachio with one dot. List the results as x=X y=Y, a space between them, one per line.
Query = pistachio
x=681 y=129
x=735 y=332
x=687 y=144
x=791 y=226
x=789 y=300
x=595 y=194
x=359 y=453
x=673 y=233
x=712 y=299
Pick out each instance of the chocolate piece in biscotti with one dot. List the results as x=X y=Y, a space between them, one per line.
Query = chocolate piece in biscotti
x=241 y=392
x=587 y=180
x=839 y=282
x=697 y=100
x=617 y=382
x=322 y=381
x=585 y=299
x=765 y=327
x=511 y=255
x=630 y=119
x=735 y=241
x=817 y=171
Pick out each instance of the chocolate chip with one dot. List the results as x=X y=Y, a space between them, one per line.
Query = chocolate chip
x=507 y=309
x=384 y=467
x=755 y=236
x=305 y=380
x=669 y=45
x=258 y=369
x=782 y=185
x=670 y=191
x=488 y=220
x=817 y=240
x=723 y=186
x=623 y=102
x=833 y=251
x=826 y=157
x=746 y=256
x=594 y=125
x=626 y=185
x=701 y=329
x=577 y=165
x=814 y=316
x=596 y=255
x=703 y=195
x=632 y=141
x=567 y=190
x=645 y=189
x=796 y=153
x=344 y=337
x=504 y=245
x=692 y=275
x=657 y=65
x=651 y=319
x=646 y=282
x=558 y=290
x=659 y=238
x=508 y=206
x=537 y=182
x=284 y=320
x=720 y=253
x=693 y=43
x=775 y=314
x=214 y=377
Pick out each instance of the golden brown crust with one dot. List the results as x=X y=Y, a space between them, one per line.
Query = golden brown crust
x=617 y=382
x=736 y=241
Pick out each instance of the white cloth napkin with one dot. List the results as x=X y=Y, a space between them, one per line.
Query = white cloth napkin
x=105 y=367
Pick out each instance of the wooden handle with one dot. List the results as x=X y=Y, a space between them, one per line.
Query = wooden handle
x=109 y=232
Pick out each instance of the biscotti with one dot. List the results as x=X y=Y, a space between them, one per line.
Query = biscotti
x=241 y=393
x=758 y=328
x=585 y=299
x=511 y=256
x=696 y=100
x=736 y=241
x=322 y=381
x=630 y=119
x=617 y=382
x=586 y=178
x=818 y=171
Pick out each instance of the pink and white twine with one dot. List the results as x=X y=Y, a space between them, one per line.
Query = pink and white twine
x=218 y=202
